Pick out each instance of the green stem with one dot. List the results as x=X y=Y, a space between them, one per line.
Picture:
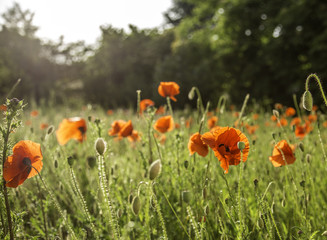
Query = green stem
x=314 y=76
x=169 y=106
x=5 y=192
x=297 y=106
x=42 y=209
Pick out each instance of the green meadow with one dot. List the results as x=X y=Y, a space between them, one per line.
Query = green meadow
x=110 y=187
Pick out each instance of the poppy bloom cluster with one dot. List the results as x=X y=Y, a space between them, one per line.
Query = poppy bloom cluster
x=224 y=142
x=71 y=128
x=123 y=129
x=25 y=163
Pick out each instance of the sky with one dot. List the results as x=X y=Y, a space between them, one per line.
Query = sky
x=80 y=19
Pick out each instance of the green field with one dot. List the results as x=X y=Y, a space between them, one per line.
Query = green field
x=85 y=195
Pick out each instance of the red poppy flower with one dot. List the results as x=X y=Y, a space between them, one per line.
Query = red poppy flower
x=44 y=125
x=312 y=118
x=3 y=107
x=282 y=122
x=161 y=110
x=17 y=166
x=168 y=89
x=116 y=126
x=164 y=124
x=195 y=144
x=110 y=112
x=134 y=136
x=223 y=141
x=302 y=130
x=145 y=103
x=295 y=121
x=71 y=128
x=212 y=121
x=290 y=112
x=126 y=129
x=282 y=154
x=34 y=113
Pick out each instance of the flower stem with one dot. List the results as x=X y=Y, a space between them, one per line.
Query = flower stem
x=5 y=192
x=314 y=76
x=169 y=106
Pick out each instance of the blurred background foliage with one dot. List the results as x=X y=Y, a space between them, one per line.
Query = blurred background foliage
x=265 y=48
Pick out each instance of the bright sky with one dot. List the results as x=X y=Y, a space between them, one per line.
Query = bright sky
x=81 y=19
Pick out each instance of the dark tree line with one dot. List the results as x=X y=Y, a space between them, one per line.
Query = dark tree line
x=265 y=48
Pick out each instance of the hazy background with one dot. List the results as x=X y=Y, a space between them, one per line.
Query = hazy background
x=109 y=49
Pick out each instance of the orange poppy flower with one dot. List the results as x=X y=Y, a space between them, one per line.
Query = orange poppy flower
x=314 y=108
x=34 y=113
x=223 y=141
x=161 y=138
x=161 y=110
x=278 y=106
x=302 y=131
x=145 y=103
x=324 y=124
x=255 y=116
x=188 y=122
x=164 y=124
x=71 y=128
x=110 y=112
x=290 y=112
x=17 y=166
x=116 y=126
x=295 y=121
x=44 y=126
x=168 y=89
x=251 y=128
x=126 y=129
x=273 y=118
x=282 y=152
x=195 y=144
x=177 y=125
x=212 y=121
x=282 y=122
x=3 y=107
x=312 y=118
x=134 y=136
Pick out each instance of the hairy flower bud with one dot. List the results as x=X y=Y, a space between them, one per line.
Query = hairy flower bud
x=100 y=146
x=155 y=169
x=136 y=205
x=307 y=101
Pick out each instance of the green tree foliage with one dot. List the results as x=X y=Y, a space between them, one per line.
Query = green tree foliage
x=125 y=63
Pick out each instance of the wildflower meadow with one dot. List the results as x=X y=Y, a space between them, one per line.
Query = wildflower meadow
x=155 y=172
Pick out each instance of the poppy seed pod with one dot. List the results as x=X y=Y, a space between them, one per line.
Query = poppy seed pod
x=191 y=93
x=241 y=145
x=70 y=161
x=307 y=100
x=155 y=169
x=186 y=196
x=136 y=205
x=100 y=146
x=301 y=146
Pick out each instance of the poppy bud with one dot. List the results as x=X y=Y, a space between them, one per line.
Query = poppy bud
x=130 y=198
x=299 y=232
x=241 y=145
x=50 y=129
x=56 y=163
x=186 y=163
x=204 y=192
x=186 y=196
x=119 y=213
x=136 y=205
x=255 y=181
x=206 y=210
x=324 y=233
x=100 y=146
x=276 y=113
x=91 y=161
x=308 y=158
x=155 y=169
x=307 y=101
x=301 y=146
x=191 y=93
x=302 y=183
x=70 y=161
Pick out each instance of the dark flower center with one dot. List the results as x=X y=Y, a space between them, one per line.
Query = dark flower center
x=226 y=147
x=27 y=161
x=82 y=129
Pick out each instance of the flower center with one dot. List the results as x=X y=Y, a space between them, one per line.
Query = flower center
x=82 y=129
x=27 y=161
x=226 y=147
